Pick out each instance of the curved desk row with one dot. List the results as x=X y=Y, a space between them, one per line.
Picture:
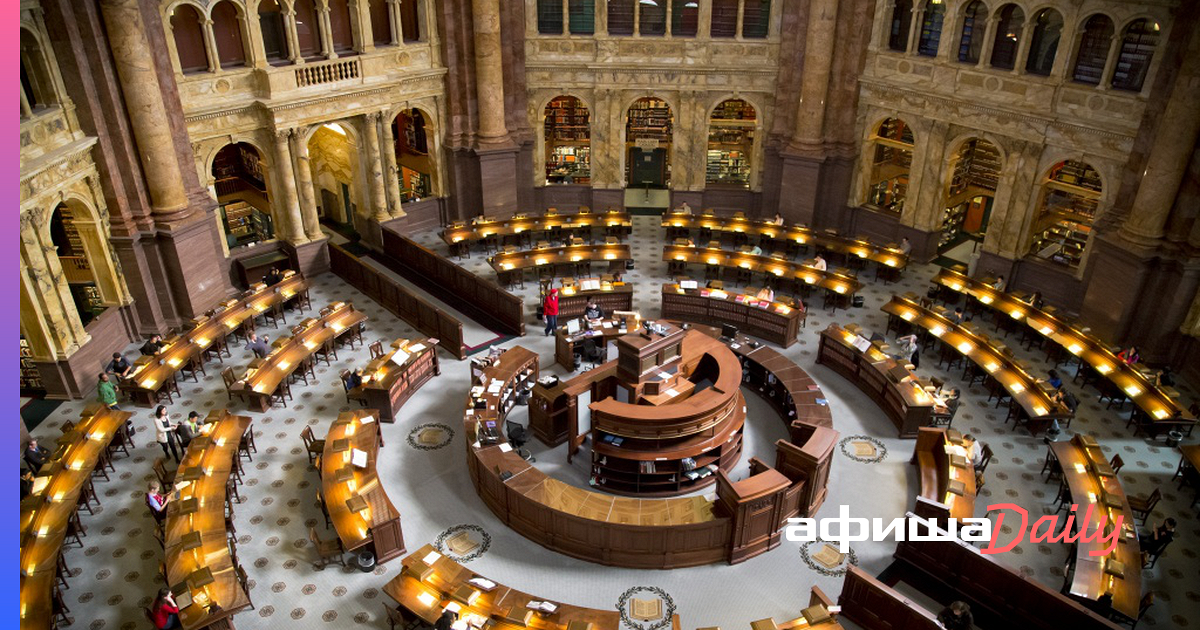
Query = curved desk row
x=888 y=255
x=150 y=373
x=390 y=380
x=47 y=511
x=887 y=381
x=360 y=510
x=196 y=545
x=430 y=583
x=600 y=332
x=1092 y=483
x=264 y=376
x=775 y=321
x=609 y=296
x=1160 y=408
x=1026 y=391
x=836 y=284
x=521 y=260
x=457 y=233
x=945 y=473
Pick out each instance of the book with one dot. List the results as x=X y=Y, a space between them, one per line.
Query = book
x=358 y=458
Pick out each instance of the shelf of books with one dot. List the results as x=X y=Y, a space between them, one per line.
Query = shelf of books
x=568 y=141
x=245 y=224
x=660 y=476
x=649 y=118
x=978 y=166
x=31 y=379
x=730 y=143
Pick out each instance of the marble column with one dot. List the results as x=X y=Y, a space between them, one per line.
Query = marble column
x=818 y=62
x=378 y=196
x=394 y=13
x=210 y=45
x=293 y=38
x=293 y=222
x=489 y=72
x=391 y=170
x=1172 y=149
x=989 y=38
x=304 y=186
x=326 y=32
x=256 y=54
x=147 y=111
x=1110 y=63
x=1023 y=47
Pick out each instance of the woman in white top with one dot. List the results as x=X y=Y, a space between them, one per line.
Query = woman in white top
x=164 y=433
x=766 y=293
x=820 y=263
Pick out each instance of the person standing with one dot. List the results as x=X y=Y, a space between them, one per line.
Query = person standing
x=106 y=392
x=550 y=311
x=164 y=433
x=910 y=350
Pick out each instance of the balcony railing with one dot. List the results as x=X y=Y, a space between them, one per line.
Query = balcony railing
x=327 y=72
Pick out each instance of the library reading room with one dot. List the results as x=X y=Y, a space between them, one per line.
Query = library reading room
x=609 y=314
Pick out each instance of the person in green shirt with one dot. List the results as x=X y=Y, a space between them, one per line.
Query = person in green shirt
x=107 y=392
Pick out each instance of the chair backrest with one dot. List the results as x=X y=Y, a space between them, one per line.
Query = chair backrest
x=986 y=459
x=376 y=349
x=1154 y=499
x=516 y=433
x=345 y=376
x=306 y=434
x=228 y=377
x=1147 y=602
x=1116 y=463
x=312 y=536
x=160 y=470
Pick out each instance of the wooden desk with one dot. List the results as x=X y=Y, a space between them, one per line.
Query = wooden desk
x=200 y=510
x=150 y=373
x=609 y=297
x=360 y=510
x=602 y=331
x=887 y=255
x=425 y=589
x=835 y=283
x=872 y=605
x=1023 y=387
x=618 y=531
x=518 y=261
x=46 y=512
x=942 y=468
x=1161 y=409
x=521 y=224
x=888 y=382
x=1091 y=481
x=775 y=321
x=387 y=386
x=261 y=381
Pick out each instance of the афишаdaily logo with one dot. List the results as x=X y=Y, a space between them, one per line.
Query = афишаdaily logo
x=844 y=530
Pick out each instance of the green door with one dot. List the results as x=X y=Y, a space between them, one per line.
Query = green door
x=647 y=168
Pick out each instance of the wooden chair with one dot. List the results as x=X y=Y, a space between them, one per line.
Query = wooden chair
x=983 y=464
x=312 y=445
x=1147 y=602
x=246 y=445
x=230 y=380
x=59 y=609
x=165 y=477
x=376 y=350
x=327 y=550
x=1142 y=507
x=1052 y=468
x=244 y=580
x=361 y=399
x=395 y=617
x=324 y=510
x=1117 y=463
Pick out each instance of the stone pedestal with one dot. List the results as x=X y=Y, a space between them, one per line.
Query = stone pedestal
x=196 y=265
x=799 y=186
x=498 y=180
x=605 y=198
x=310 y=258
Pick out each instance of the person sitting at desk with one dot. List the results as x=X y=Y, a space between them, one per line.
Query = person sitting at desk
x=1055 y=380
x=591 y=312
x=274 y=276
x=157 y=501
x=118 y=365
x=35 y=456
x=617 y=278
x=958 y=317
x=974 y=449
x=446 y=621
x=1130 y=355
x=819 y=263
x=151 y=347
x=1035 y=300
x=684 y=208
x=956 y=616
x=755 y=251
x=1155 y=541
x=354 y=379
x=905 y=246
x=258 y=346
x=1066 y=399
x=189 y=429
x=1164 y=377
x=998 y=284
x=778 y=220
x=165 y=612
x=766 y=293
x=26 y=481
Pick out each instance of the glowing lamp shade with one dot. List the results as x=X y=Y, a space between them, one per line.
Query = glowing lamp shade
x=426 y=599
x=1014 y=314
x=458 y=239
x=907 y=316
x=1075 y=348
x=1161 y=413
x=964 y=347
x=891 y=262
x=148 y=383
x=1046 y=330
x=713 y=261
x=540 y=261
x=937 y=331
x=840 y=289
x=745 y=265
x=506 y=266
x=986 y=299
x=1104 y=368
x=777 y=271
x=680 y=257
x=1017 y=388
x=576 y=258
x=610 y=257
x=1133 y=390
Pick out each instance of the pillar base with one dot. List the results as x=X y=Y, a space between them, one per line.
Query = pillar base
x=311 y=258
x=190 y=253
x=498 y=179
x=75 y=376
x=799 y=185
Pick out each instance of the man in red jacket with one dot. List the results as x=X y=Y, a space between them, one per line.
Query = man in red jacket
x=550 y=310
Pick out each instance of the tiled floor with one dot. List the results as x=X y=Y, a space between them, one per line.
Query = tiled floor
x=119 y=560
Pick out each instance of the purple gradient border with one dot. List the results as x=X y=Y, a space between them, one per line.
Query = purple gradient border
x=10 y=177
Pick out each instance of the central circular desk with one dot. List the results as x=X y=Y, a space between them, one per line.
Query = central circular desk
x=743 y=519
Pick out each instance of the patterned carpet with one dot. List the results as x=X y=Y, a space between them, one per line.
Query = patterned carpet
x=423 y=471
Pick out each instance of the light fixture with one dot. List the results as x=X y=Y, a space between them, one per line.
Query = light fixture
x=693 y=5
x=652 y=3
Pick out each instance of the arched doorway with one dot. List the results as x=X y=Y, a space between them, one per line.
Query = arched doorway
x=189 y=39
x=731 y=143
x=568 y=141
x=75 y=264
x=1070 y=196
x=890 y=165
x=648 y=128
x=37 y=89
x=227 y=31
x=974 y=176
x=414 y=158
x=333 y=157
x=242 y=195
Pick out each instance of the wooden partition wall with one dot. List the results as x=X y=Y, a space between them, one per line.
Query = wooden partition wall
x=873 y=605
x=399 y=300
x=479 y=298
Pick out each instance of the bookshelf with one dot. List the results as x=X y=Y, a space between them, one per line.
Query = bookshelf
x=730 y=143
x=896 y=130
x=245 y=224
x=568 y=141
x=31 y=378
x=1071 y=197
x=649 y=118
x=978 y=166
x=1063 y=242
x=239 y=162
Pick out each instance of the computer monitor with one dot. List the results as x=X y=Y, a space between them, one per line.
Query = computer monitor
x=729 y=331
x=572 y=326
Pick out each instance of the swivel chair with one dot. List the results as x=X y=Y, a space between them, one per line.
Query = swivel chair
x=517 y=436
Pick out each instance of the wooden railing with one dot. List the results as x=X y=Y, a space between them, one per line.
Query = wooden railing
x=76 y=269
x=327 y=72
x=398 y=300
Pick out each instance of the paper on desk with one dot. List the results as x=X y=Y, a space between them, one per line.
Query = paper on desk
x=367 y=419
x=664 y=375
x=735 y=346
x=399 y=357
x=494 y=387
x=607 y=324
x=358 y=458
x=505 y=447
x=416 y=348
x=671 y=393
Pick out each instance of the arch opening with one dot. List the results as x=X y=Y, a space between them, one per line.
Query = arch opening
x=730 y=153
x=1070 y=198
x=891 y=165
x=76 y=266
x=567 y=130
x=413 y=155
x=975 y=175
x=648 y=127
x=242 y=195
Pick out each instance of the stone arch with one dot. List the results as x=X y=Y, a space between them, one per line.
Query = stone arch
x=673 y=109
x=37 y=80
